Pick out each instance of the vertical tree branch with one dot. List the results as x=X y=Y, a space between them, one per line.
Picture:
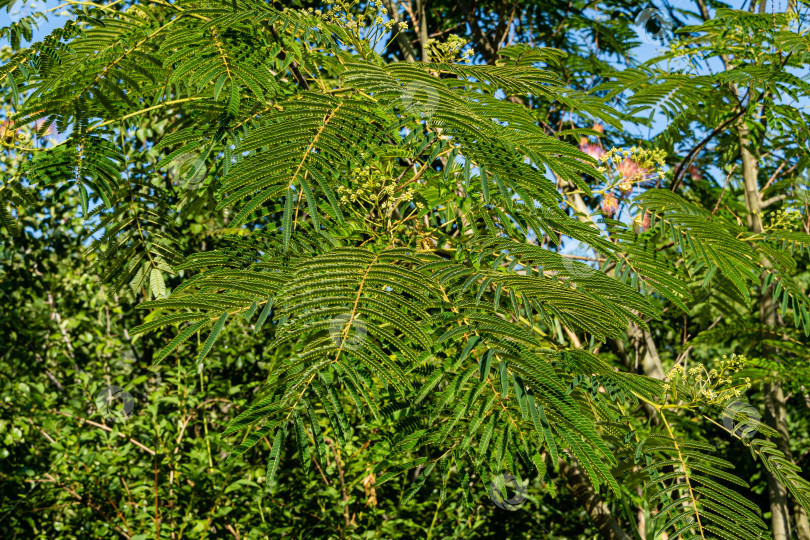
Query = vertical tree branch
x=402 y=39
x=485 y=46
x=775 y=412
x=423 y=30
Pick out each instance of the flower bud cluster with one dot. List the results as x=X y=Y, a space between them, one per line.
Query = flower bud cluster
x=407 y=196
x=448 y=51
x=684 y=49
x=372 y=17
x=784 y=218
x=710 y=386
x=367 y=184
x=376 y=189
x=7 y=132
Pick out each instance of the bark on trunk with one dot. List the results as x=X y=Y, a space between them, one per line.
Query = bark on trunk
x=402 y=38
x=775 y=414
x=650 y=361
x=423 y=30
x=598 y=511
x=802 y=523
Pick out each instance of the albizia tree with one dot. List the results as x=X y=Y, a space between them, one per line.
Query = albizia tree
x=402 y=230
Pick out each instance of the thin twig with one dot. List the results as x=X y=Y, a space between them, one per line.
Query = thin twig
x=105 y=428
x=724 y=189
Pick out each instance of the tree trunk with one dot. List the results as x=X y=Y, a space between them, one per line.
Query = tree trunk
x=775 y=414
x=402 y=38
x=598 y=511
x=775 y=418
x=485 y=45
x=802 y=524
x=423 y=30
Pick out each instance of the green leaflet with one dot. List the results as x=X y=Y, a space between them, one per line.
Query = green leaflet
x=419 y=483
x=397 y=470
x=552 y=447
x=165 y=321
x=181 y=337
x=287 y=218
x=15 y=93
x=250 y=440
x=482 y=175
x=275 y=455
x=302 y=443
x=218 y=86
x=472 y=342
x=212 y=337
x=429 y=384
x=251 y=310
x=486 y=436
x=504 y=375
x=486 y=363
x=157 y=283
x=263 y=316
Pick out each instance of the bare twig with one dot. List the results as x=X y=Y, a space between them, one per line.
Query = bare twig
x=105 y=428
x=724 y=189
x=232 y=531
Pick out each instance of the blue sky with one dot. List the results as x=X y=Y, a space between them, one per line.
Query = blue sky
x=25 y=7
